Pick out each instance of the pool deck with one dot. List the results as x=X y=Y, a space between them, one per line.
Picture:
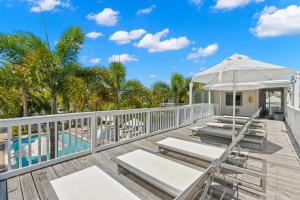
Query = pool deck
x=281 y=153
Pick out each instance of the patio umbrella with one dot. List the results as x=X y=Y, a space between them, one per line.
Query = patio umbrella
x=134 y=122
x=248 y=85
x=241 y=69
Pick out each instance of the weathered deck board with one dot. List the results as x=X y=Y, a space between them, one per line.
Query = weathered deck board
x=14 y=190
x=42 y=180
x=281 y=153
x=28 y=187
x=3 y=192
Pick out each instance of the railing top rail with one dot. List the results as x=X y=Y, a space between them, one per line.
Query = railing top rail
x=292 y=107
x=68 y=116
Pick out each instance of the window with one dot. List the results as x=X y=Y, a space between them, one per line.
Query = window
x=238 y=99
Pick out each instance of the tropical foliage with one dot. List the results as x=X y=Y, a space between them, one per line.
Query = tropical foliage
x=36 y=79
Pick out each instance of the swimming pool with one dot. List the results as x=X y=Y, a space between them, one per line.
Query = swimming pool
x=68 y=149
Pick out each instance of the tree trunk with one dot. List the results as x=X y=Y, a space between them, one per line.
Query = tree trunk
x=25 y=101
x=52 y=127
x=52 y=140
x=53 y=103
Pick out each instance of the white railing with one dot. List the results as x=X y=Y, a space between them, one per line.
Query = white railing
x=293 y=120
x=33 y=142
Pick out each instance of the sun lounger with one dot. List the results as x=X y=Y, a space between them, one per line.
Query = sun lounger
x=237 y=126
x=223 y=133
x=237 y=117
x=206 y=152
x=255 y=123
x=197 y=150
x=167 y=175
x=91 y=183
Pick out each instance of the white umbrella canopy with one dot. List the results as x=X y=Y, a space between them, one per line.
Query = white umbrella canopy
x=134 y=122
x=241 y=69
x=248 y=85
x=246 y=70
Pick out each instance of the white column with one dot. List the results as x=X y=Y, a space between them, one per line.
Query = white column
x=220 y=103
x=296 y=91
x=233 y=105
x=191 y=94
x=209 y=102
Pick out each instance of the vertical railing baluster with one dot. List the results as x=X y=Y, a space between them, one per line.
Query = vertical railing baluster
x=62 y=138
x=93 y=133
x=148 y=122
x=29 y=145
x=9 y=135
x=20 y=146
x=76 y=135
x=39 y=142
x=177 y=117
x=70 y=136
x=81 y=133
x=56 y=139
x=88 y=121
x=48 y=140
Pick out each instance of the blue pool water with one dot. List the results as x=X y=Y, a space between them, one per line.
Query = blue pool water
x=81 y=145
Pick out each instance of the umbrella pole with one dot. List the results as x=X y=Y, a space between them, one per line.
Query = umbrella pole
x=233 y=105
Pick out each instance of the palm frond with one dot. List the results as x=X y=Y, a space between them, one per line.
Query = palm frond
x=69 y=44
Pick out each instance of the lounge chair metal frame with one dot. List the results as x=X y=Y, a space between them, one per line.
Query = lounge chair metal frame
x=124 y=168
x=225 y=166
x=250 y=137
x=204 y=180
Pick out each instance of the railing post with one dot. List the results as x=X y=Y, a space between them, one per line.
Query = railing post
x=148 y=118
x=191 y=114
x=296 y=91
x=177 y=117
x=93 y=134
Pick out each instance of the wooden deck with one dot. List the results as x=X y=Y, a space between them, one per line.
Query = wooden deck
x=281 y=153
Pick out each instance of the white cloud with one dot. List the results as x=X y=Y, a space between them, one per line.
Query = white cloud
x=47 y=5
x=154 y=44
x=203 y=52
x=231 y=4
x=107 y=17
x=145 y=11
x=93 y=35
x=274 y=22
x=124 y=37
x=152 y=76
x=94 y=61
x=123 y=58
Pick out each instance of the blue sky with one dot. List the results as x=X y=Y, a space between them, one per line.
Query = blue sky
x=160 y=37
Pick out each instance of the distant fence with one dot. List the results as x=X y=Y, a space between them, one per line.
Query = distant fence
x=293 y=120
x=33 y=142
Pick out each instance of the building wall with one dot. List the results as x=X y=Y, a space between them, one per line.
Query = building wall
x=249 y=106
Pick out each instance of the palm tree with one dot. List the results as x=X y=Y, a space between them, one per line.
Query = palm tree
x=9 y=102
x=135 y=95
x=117 y=72
x=17 y=51
x=161 y=92
x=75 y=90
x=178 y=87
x=63 y=62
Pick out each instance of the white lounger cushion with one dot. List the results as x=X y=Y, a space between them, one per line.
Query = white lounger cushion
x=223 y=125
x=193 y=147
x=92 y=184
x=237 y=117
x=171 y=173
